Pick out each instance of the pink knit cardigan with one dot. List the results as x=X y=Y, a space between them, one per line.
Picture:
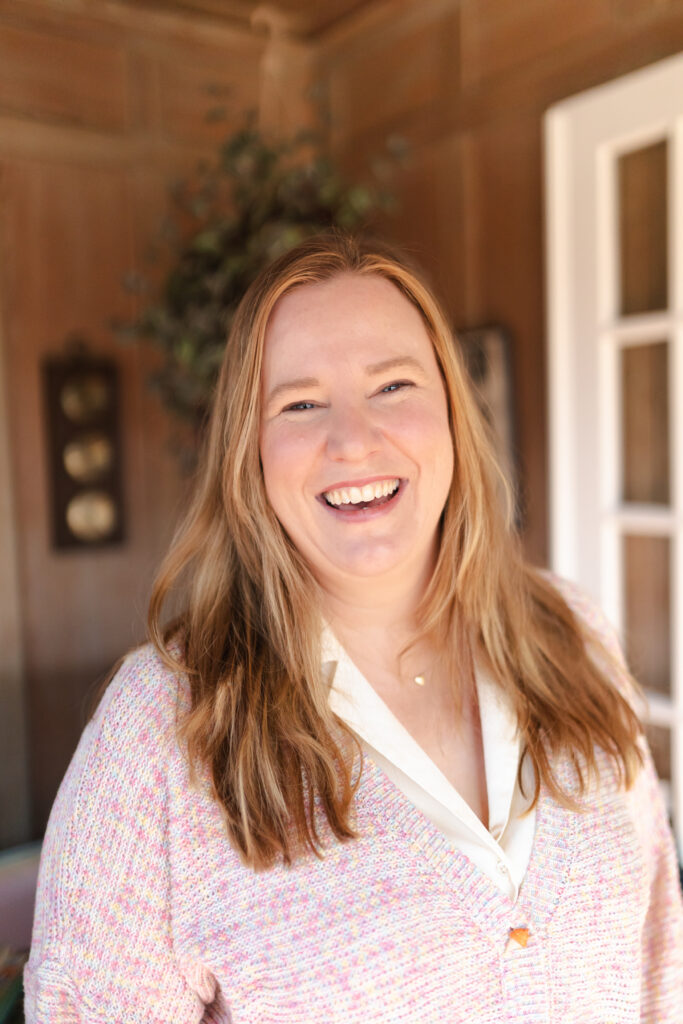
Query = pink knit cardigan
x=145 y=914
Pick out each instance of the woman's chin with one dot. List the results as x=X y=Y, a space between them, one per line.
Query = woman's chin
x=372 y=565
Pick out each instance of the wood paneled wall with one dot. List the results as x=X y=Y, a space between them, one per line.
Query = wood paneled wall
x=97 y=117
x=102 y=105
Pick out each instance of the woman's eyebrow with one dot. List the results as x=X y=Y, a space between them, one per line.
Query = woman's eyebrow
x=292 y=385
x=391 y=364
x=372 y=370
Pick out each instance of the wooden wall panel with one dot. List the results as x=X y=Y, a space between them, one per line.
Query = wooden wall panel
x=190 y=91
x=647 y=10
x=505 y=277
x=290 y=86
x=67 y=246
x=164 y=487
x=14 y=796
x=497 y=37
x=397 y=78
x=429 y=216
x=581 y=62
x=44 y=75
x=87 y=162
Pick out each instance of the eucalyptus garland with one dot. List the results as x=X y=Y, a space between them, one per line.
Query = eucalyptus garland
x=258 y=199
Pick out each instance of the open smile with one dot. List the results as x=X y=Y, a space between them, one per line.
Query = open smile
x=352 y=499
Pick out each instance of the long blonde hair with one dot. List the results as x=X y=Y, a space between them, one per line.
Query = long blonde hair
x=248 y=638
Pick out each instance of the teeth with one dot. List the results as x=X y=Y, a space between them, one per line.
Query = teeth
x=355 y=495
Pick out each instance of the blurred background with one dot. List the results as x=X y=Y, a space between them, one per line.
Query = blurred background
x=533 y=151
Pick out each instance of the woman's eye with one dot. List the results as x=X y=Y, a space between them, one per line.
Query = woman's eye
x=397 y=385
x=299 y=407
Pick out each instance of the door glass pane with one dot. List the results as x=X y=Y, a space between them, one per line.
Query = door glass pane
x=645 y=423
x=659 y=739
x=642 y=198
x=647 y=607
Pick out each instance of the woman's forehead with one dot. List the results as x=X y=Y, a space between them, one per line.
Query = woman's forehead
x=349 y=304
x=351 y=327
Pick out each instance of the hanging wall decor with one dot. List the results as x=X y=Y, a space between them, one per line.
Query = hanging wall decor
x=82 y=417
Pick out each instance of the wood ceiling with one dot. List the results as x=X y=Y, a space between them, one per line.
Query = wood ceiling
x=302 y=17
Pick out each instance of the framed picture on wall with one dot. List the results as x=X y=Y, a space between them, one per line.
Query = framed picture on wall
x=486 y=351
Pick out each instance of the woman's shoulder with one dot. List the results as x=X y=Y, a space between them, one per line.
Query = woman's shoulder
x=103 y=889
x=144 y=683
x=129 y=739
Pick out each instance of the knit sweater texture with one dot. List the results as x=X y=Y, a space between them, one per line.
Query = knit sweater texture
x=145 y=915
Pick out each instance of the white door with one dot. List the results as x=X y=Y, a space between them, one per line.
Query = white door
x=614 y=191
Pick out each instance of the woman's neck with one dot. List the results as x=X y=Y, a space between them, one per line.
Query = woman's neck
x=370 y=609
x=370 y=606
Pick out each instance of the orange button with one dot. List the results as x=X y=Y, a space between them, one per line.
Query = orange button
x=520 y=935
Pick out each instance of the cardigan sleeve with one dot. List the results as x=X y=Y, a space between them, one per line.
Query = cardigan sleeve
x=662 y=931
x=102 y=947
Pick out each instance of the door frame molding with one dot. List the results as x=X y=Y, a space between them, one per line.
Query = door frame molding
x=584 y=135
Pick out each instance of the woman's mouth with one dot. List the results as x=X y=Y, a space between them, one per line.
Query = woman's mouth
x=368 y=496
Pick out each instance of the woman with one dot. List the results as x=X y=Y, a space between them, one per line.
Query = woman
x=378 y=769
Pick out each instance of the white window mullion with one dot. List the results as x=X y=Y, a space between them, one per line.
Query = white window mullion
x=561 y=363
x=676 y=218
x=637 y=330
x=607 y=236
x=610 y=443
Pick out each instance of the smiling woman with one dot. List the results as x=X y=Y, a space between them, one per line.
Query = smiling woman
x=378 y=769
x=358 y=458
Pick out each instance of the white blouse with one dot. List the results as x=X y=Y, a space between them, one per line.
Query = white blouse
x=502 y=851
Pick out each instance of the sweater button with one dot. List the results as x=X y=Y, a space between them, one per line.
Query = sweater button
x=517 y=937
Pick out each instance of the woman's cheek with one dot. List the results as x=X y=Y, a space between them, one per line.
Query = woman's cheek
x=286 y=454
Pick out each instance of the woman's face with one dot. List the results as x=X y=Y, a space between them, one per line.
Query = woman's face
x=355 y=444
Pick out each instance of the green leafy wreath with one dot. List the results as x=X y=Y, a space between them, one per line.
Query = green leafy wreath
x=259 y=199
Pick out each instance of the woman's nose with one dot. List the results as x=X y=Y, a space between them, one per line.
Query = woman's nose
x=352 y=434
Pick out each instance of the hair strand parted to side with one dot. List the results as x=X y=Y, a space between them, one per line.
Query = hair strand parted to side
x=280 y=763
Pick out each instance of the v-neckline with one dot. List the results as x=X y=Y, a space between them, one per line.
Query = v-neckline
x=350 y=689
x=494 y=912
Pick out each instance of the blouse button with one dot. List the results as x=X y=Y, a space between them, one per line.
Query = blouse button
x=502 y=867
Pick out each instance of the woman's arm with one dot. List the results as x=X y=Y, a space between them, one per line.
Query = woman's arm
x=662 y=930
x=103 y=948
x=662 y=933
